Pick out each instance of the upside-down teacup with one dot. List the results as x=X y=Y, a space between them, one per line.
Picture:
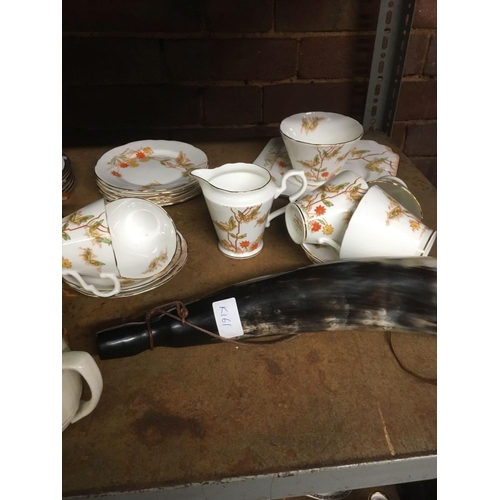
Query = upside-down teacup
x=382 y=227
x=321 y=217
x=320 y=143
x=144 y=237
x=400 y=192
x=87 y=250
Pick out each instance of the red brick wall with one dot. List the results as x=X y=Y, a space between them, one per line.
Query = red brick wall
x=415 y=126
x=203 y=69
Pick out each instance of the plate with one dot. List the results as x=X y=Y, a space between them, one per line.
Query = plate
x=373 y=160
x=369 y=159
x=171 y=197
x=150 y=165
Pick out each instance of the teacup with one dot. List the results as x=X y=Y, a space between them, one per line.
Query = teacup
x=128 y=238
x=144 y=237
x=320 y=143
x=399 y=191
x=321 y=217
x=393 y=178
x=87 y=249
x=382 y=227
x=75 y=365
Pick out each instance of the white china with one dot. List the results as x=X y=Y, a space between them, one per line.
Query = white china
x=162 y=198
x=318 y=127
x=382 y=227
x=239 y=197
x=87 y=250
x=320 y=254
x=104 y=246
x=75 y=366
x=155 y=170
x=84 y=283
x=150 y=164
x=371 y=160
x=143 y=235
x=132 y=287
x=392 y=178
x=320 y=143
x=321 y=217
x=400 y=193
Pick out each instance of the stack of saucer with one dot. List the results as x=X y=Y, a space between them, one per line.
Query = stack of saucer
x=68 y=179
x=152 y=170
x=129 y=287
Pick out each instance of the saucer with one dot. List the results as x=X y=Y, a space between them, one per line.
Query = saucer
x=369 y=159
x=130 y=287
x=320 y=254
x=373 y=160
x=150 y=165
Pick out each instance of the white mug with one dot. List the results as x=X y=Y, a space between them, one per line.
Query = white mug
x=321 y=217
x=75 y=365
x=382 y=227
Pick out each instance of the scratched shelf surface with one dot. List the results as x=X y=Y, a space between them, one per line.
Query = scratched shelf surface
x=175 y=417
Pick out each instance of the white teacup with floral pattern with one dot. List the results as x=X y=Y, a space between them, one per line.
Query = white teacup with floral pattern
x=382 y=227
x=87 y=249
x=400 y=193
x=321 y=217
x=144 y=237
x=320 y=143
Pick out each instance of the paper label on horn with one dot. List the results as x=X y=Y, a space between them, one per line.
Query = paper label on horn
x=227 y=318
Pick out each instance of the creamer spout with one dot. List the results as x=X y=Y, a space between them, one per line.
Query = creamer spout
x=203 y=174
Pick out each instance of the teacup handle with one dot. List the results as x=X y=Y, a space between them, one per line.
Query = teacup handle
x=327 y=241
x=293 y=197
x=84 y=364
x=92 y=288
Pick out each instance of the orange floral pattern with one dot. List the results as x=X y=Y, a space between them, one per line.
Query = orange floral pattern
x=156 y=262
x=277 y=157
x=93 y=224
x=316 y=170
x=316 y=205
x=395 y=211
x=94 y=228
x=234 y=236
x=374 y=162
x=132 y=158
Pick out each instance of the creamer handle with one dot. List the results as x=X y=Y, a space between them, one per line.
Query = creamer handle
x=293 y=197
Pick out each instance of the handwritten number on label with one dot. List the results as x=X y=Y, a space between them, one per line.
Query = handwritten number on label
x=227 y=318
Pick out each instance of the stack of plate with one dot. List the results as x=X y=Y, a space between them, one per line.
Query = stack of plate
x=68 y=179
x=153 y=170
x=129 y=287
